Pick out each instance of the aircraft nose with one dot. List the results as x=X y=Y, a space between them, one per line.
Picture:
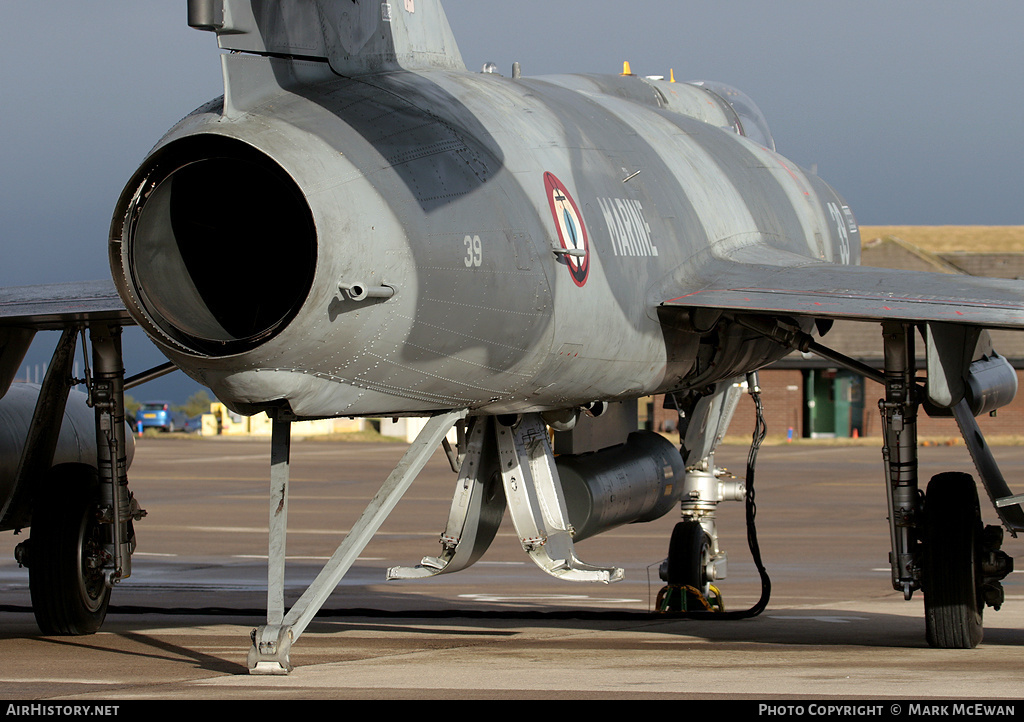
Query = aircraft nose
x=219 y=245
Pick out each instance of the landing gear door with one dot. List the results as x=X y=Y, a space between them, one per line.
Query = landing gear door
x=950 y=351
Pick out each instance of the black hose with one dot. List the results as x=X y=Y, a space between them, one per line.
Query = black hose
x=760 y=431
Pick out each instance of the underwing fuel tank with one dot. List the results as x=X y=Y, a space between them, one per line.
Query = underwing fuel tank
x=639 y=481
x=75 y=445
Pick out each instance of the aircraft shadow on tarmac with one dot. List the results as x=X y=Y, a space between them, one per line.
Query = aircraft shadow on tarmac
x=344 y=634
x=398 y=612
x=151 y=647
x=823 y=628
x=791 y=627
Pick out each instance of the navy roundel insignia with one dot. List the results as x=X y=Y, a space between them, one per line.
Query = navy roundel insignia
x=571 y=232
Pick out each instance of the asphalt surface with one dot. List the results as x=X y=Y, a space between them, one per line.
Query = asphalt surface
x=179 y=627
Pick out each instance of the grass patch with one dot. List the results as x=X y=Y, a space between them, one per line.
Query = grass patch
x=368 y=436
x=950 y=239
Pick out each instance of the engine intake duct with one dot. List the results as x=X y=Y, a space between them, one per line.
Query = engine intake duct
x=220 y=244
x=640 y=480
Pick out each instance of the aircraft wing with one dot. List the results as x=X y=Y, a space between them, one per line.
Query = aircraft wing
x=827 y=290
x=58 y=305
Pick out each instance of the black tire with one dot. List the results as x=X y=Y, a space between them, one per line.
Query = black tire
x=951 y=571
x=69 y=597
x=688 y=554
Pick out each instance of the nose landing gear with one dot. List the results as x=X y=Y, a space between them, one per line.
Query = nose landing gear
x=695 y=560
x=686 y=570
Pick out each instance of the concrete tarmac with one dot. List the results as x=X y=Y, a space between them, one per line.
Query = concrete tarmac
x=179 y=627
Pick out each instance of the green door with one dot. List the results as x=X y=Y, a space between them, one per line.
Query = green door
x=821 y=406
x=835 y=404
x=849 y=404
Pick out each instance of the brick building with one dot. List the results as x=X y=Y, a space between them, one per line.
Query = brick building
x=808 y=397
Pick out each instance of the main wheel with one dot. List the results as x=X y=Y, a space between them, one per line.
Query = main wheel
x=951 y=571
x=688 y=554
x=69 y=595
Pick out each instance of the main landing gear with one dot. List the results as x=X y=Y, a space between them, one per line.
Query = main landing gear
x=81 y=514
x=939 y=543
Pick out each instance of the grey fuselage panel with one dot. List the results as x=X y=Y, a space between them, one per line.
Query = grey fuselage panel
x=527 y=230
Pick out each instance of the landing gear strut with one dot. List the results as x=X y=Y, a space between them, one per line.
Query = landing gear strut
x=899 y=411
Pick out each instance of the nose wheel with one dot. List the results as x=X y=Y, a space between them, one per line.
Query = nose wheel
x=685 y=571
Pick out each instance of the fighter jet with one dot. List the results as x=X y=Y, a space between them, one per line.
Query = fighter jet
x=362 y=226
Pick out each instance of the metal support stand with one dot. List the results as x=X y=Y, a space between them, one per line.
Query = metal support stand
x=1007 y=506
x=477 y=508
x=272 y=642
x=537 y=506
x=511 y=466
x=899 y=422
x=280 y=459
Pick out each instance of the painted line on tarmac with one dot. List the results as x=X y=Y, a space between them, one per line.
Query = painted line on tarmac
x=545 y=598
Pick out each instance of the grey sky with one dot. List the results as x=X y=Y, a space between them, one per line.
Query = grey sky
x=910 y=108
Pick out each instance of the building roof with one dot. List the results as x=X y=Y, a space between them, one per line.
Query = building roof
x=994 y=265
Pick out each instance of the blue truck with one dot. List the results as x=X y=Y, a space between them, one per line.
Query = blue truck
x=159 y=415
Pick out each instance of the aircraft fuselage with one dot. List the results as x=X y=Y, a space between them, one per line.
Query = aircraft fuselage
x=414 y=241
